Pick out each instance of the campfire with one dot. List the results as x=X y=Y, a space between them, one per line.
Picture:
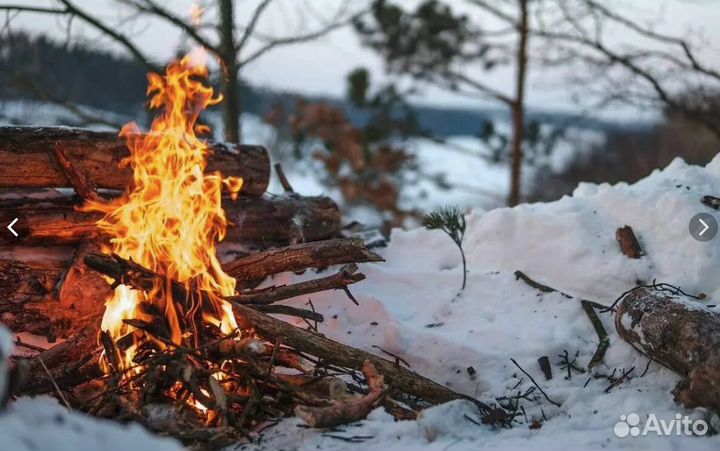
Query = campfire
x=169 y=223
x=184 y=343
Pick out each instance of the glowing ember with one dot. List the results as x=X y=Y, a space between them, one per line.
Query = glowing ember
x=172 y=218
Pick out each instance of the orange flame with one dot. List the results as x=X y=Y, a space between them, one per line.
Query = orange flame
x=172 y=218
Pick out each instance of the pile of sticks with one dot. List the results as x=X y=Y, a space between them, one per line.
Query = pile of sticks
x=237 y=383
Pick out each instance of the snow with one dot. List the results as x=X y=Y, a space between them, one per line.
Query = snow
x=410 y=306
x=41 y=423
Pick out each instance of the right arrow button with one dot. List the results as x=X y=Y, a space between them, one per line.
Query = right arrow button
x=703 y=227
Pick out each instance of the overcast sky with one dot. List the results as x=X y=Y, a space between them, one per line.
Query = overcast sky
x=319 y=67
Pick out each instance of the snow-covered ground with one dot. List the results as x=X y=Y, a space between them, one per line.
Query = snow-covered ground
x=410 y=306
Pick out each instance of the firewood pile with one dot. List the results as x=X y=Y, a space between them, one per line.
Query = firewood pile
x=208 y=386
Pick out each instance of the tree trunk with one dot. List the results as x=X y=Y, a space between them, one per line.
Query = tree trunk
x=261 y=221
x=27 y=159
x=231 y=70
x=679 y=333
x=518 y=108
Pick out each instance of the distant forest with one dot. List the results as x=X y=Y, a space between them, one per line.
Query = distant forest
x=38 y=68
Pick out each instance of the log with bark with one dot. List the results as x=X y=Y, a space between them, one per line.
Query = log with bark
x=299 y=257
x=680 y=333
x=27 y=159
x=261 y=221
x=49 y=291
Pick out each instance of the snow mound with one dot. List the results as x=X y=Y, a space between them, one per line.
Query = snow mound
x=410 y=306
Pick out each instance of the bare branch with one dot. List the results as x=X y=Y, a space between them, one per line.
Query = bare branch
x=33 y=9
x=282 y=41
x=151 y=7
x=250 y=28
x=114 y=34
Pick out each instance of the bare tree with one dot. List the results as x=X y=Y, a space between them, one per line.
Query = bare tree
x=221 y=40
x=604 y=56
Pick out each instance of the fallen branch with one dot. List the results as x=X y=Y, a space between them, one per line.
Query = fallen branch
x=336 y=353
x=289 y=311
x=346 y=276
x=519 y=275
x=711 y=201
x=604 y=340
x=555 y=403
x=589 y=308
x=347 y=410
x=300 y=257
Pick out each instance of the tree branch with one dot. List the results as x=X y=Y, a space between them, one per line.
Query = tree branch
x=115 y=35
x=250 y=28
x=282 y=41
x=151 y=7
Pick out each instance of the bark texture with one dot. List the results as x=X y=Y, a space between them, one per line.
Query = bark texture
x=50 y=292
x=299 y=257
x=679 y=333
x=261 y=221
x=27 y=159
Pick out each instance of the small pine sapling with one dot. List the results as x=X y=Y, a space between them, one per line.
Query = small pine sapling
x=451 y=221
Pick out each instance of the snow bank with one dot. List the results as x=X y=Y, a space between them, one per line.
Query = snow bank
x=409 y=306
x=42 y=424
x=570 y=244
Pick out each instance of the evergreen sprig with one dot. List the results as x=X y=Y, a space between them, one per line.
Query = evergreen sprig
x=450 y=220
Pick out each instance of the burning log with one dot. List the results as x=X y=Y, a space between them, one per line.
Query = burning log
x=299 y=257
x=134 y=275
x=28 y=160
x=51 y=292
x=679 y=333
x=256 y=220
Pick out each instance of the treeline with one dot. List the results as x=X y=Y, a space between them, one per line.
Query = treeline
x=39 y=68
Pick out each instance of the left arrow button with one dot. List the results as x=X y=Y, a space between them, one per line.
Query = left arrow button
x=10 y=227
x=16 y=227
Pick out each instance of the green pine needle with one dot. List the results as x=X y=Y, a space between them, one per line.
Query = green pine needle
x=450 y=220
